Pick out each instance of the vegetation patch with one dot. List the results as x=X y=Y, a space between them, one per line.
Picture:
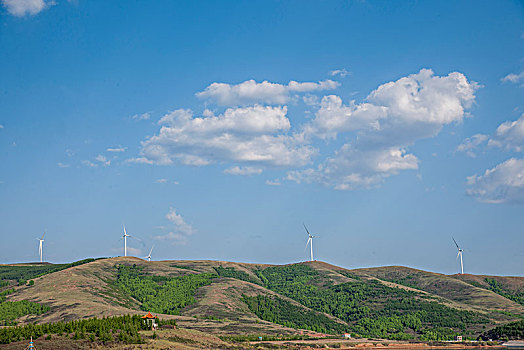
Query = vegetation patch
x=498 y=288
x=233 y=273
x=11 y=310
x=161 y=294
x=22 y=273
x=510 y=331
x=372 y=309
x=121 y=328
x=283 y=312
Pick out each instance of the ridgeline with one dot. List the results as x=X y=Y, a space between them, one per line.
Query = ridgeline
x=241 y=300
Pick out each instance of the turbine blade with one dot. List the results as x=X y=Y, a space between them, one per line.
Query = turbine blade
x=309 y=234
x=457 y=256
x=43 y=235
x=455 y=242
x=151 y=250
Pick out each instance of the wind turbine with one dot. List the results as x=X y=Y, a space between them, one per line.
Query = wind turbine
x=41 y=246
x=125 y=240
x=459 y=254
x=309 y=241
x=149 y=256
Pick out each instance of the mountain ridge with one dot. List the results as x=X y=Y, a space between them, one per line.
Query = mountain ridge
x=241 y=297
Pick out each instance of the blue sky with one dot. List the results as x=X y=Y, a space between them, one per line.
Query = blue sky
x=213 y=130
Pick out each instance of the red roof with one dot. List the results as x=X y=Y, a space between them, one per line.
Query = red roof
x=148 y=315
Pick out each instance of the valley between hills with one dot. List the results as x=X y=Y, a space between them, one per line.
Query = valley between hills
x=218 y=304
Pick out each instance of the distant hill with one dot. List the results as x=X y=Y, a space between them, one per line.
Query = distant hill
x=227 y=298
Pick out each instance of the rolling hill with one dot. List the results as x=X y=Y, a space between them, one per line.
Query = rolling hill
x=229 y=299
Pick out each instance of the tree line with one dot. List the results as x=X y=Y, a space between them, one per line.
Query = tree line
x=119 y=328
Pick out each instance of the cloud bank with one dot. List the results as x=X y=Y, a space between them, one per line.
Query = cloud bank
x=252 y=133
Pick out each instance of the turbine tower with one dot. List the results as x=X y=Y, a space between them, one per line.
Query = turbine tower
x=41 y=246
x=149 y=256
x=309 y=241
x=125 y=240
x=459 y=254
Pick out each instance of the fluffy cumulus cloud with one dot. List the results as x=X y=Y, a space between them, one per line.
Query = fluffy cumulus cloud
x=509 y=135
x=21 y=8
x=394 y=116
x=179 y=230
x=376 y=134
x=254 y=134
x=251 y=92
x=501 y=184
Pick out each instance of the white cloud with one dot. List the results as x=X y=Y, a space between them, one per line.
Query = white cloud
x=180 y=225
x=62 y=165
x=251 y=92
x=509 y=135
x=180 y=230
x=103 y=160
x=275 y=182
x=253 y=134
x=143 y=116
x=334 y=117
x=247 y=170
x=139 y=160
x=165 y=181
x=340 y=72
x=471 y=144
x=21 y=8
x=116 y=149
x=352 y=168
x=1 y=126
x=377 y=132
x=514 y=78
x=501 y=184
x=396 y=115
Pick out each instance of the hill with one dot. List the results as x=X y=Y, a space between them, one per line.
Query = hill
x=231 y=299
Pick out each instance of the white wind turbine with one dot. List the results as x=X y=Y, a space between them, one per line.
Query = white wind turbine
x=149 y=256
x=459 y=254
x=41 y=246
x=309 y=241
x=125 y=240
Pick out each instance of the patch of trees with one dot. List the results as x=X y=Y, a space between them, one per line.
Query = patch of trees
x=497 y=287
x=161 y=294
x=120 y=328
x=22 y=273
x=11 y=310
x=373 y=309
x=510 y=331
x=233 y=273
x=283 y=312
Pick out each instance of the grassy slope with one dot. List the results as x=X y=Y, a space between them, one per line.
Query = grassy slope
x=88 y=290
